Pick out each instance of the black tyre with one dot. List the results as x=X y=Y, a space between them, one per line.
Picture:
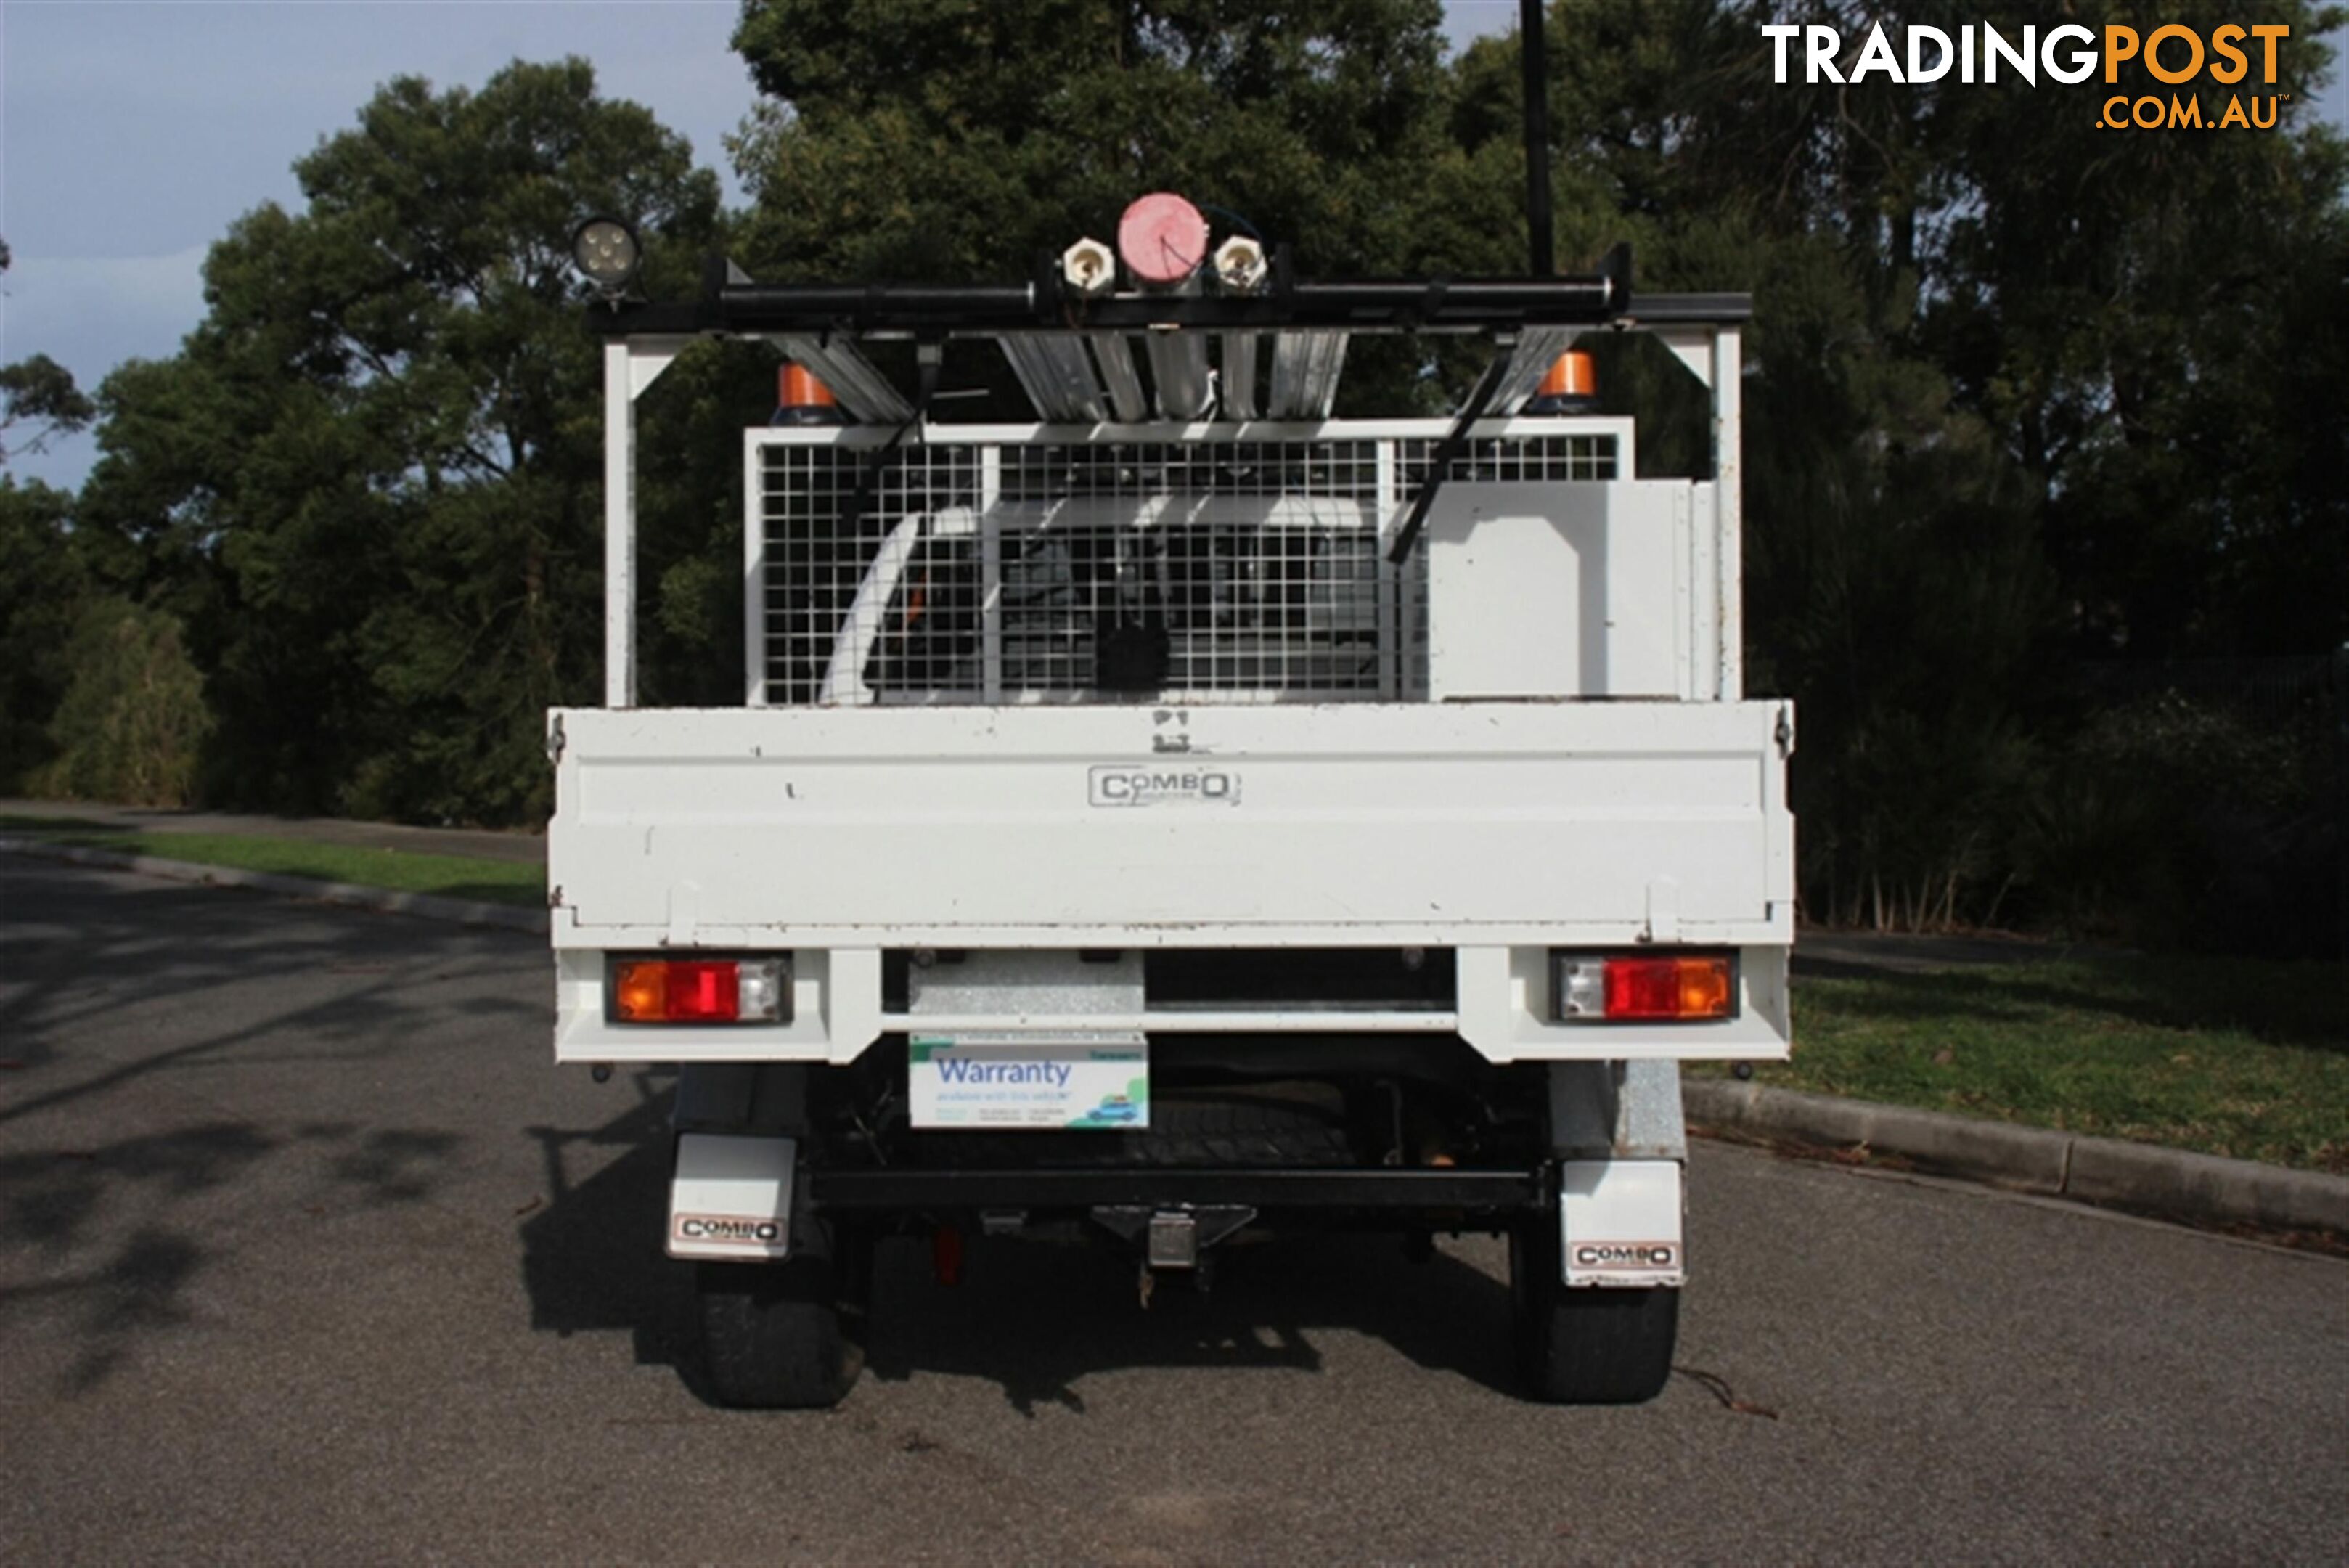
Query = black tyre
x=1591 y=1345
x=783 y=1336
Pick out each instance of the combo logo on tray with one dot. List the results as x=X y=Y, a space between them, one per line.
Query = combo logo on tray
x=1626 y=1255
x=1135 y=784
x=720 y=1228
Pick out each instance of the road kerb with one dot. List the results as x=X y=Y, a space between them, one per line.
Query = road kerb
x=2142 y=1177
x=2175 y=1181
x=424 y=906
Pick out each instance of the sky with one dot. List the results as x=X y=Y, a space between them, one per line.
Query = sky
x=133 y=132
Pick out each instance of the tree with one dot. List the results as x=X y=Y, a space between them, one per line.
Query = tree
x=39 y=394
x=371 y=479
x=2016 y=386
x=956 y=139
x=2144 y=317
x=962 y=140
x=130 y=723
x=43 y=586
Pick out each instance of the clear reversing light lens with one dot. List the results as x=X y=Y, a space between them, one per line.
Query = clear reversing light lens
x=700 y=991
x=759 y=989
x=1582 y=988
x=1600 y=988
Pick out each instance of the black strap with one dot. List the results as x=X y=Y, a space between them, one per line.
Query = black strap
x=1446 y=453
x=885 y=456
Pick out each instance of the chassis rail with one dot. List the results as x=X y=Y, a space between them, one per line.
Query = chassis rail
x=1482 y=1191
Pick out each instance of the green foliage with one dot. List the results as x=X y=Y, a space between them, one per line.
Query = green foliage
x=1896 y=586
x=689 y=493
x=2018 y=392
x=2168 y=819
x=963 y=140
x=2149 y=321
x=44 y=584
x=39 y=393
x=372 y=479
x=957 y=138
x=130 y=723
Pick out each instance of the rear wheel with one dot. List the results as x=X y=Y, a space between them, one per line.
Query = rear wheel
x=787 y=1336
x=1591 y=1345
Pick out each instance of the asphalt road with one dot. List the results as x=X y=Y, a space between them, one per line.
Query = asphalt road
x=307 y=1251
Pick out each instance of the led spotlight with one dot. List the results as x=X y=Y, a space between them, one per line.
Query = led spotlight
x=606 y=253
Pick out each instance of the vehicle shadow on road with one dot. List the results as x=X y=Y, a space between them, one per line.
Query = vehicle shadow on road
x=1040 y=1319
x=134 y=944
x=1037 y=1319
x=119 y=1232
x=119 y=1199
x=592 y=1258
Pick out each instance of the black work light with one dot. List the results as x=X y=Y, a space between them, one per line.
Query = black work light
x=606 y=253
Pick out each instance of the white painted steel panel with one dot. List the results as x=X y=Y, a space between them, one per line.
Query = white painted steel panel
x=1341 y=823
x=1557 y=590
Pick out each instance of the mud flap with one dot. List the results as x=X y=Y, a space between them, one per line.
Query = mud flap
x=1621 y=1222
x=730 y=1199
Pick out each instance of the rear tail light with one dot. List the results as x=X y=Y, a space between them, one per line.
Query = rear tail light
x=700 y=991
x=1643 y=988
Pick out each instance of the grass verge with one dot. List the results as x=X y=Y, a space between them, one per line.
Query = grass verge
x=2230 y=1057
x=447 y=876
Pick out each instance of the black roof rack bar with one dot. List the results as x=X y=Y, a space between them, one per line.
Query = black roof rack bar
x=893 y=310
x=1438 y=304
x=885 y=312
x=1688 y=310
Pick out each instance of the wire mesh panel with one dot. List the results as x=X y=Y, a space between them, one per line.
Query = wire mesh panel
x=835 y=537
x=1549 y=459
x=1097 y=571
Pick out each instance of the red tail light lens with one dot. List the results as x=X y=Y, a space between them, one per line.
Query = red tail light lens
x=1594 y=988
x=665 y=990
x=698 y=991
x=1667 y=988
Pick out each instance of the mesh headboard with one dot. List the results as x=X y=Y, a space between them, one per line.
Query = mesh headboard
x=1074 y=569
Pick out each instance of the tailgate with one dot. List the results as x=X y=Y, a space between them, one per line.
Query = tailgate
x=1491 y=822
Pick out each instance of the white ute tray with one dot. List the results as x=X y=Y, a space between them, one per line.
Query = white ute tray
x=1495 y=822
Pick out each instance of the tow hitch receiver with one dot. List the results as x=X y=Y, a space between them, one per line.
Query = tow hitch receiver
x=1173 y=1237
